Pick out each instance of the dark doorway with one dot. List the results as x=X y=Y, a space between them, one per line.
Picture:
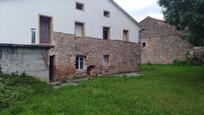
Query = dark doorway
x=51 y=68
x=45 y=29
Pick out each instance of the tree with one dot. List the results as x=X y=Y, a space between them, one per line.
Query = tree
x=186 y=15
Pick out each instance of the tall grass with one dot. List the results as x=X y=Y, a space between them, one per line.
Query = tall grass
x=14 y=87
x=163 y=89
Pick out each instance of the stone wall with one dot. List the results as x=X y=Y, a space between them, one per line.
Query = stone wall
x=164 y=42
x=164 y=49
x=29 y=59
x=198 y=54
x=124 y=56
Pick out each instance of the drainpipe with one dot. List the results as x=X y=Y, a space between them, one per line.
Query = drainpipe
x=33 y=32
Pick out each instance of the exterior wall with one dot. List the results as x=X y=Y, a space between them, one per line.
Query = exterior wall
x=31 y=61
x=164 y=42
x=19 y=16
x=164 y=49
x=198 y=54
x=124 y=56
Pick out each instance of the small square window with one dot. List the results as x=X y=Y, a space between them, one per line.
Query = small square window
x=144 y=44
x=106 y=13
x=79 y=6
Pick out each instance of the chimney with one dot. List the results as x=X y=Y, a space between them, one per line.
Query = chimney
x=33 y=32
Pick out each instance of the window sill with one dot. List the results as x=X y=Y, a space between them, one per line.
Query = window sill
x=81 y=70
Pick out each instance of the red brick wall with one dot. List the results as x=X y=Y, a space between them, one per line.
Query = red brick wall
x=124 y=56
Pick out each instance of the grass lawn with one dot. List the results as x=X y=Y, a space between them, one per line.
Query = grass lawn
x=164 y=89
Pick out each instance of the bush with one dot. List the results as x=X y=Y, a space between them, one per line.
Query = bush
x=16 y=87
x=187 y=62
x=180 y=62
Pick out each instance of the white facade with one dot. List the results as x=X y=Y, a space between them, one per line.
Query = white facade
x=17 y=17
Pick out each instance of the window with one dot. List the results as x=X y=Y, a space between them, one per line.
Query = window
x=106 y=60
x=125 y=35
x=106 y=33
x=80 y=62
x=45 y=29
x=79 y=6
x=106 y=13
x=144 y=44
x=79 y=29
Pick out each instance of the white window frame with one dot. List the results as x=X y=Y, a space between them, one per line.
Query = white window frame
x=79 y=63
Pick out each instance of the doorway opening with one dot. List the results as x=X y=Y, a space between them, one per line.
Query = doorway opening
x=51 y=68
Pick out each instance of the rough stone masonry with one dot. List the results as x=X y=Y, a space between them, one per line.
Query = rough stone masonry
x=123 y=56
x=198 y=54
x=161 y=43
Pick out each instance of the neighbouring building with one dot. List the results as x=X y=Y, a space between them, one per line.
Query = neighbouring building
x=89 y=37
x=161 y=43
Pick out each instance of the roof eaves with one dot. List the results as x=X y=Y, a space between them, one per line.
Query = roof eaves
x=32 y=46
x=148 y=17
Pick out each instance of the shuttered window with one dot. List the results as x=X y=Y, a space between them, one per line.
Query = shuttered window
x=79 y=29
x=125 y=35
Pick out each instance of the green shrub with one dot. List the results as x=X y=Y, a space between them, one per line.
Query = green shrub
x=187 y=62
x=180 y=62
x=16 y=87
x=17 y=110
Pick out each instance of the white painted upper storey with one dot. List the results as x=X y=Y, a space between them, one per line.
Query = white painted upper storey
x=17 y=17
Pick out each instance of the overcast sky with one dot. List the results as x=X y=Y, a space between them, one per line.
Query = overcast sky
x=140 y=9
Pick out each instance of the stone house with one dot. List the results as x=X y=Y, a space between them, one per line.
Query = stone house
x=84 y=37
x=161 y=43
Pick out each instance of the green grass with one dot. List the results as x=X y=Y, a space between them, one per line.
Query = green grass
x=164 y=89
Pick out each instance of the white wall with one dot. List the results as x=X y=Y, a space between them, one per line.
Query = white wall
x=17 y=17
